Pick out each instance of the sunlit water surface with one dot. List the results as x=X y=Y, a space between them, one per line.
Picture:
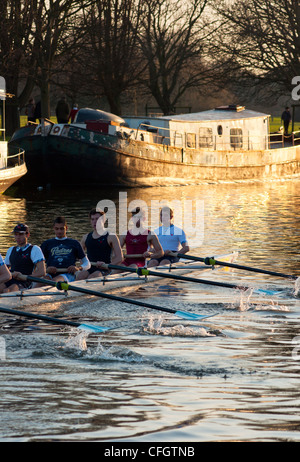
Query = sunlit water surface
x=156 y=377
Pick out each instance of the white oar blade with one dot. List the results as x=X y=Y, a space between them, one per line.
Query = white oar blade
x=194 y=316
x=91 y=328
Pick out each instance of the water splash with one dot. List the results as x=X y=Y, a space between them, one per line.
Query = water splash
x=154 y=326
x=241 y=300
x=272 y=306
x=297 y=287
x=79 y=340
x=98 y=352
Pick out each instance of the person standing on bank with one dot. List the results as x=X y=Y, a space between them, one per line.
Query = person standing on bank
x=102 y=248
x=23 y=258
x=172 y=239
x=286 y=118
x=30 y=110
x=73 y=112
x=62 y=111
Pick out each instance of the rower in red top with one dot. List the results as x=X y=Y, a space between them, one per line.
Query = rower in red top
x=140 y=241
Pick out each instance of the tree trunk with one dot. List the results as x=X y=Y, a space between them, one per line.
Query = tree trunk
x=12 y=116
x=45 y=98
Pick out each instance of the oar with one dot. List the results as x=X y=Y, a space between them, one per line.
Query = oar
x=65 y=286
x=48 y=319
x=212 y=262
x=146 y=272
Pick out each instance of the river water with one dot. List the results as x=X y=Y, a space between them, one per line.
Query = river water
x=156 y=377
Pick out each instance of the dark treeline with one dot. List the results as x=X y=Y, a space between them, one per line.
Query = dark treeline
x=151 y=48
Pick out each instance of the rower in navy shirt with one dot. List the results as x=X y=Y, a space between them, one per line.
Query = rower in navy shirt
x=62 y=252
x=23 y=258
x=101 y=246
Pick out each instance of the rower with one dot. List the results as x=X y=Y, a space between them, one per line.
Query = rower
x=62 y=252
x=21 y=259
x=101 y=247
x=140 y=241
x=5 y=274
x=172 y=239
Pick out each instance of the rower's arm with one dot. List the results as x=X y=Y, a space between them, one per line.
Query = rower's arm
x=39 y=270
x=5 y=274
x=82 y=242
x=117 y=256
x=84 y=263
x=185 y=248
x=154 y=242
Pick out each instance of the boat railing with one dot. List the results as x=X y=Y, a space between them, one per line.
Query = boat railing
x=14 y=160
x=2 y=133
x=234 y=141
x=156 y=132
x=296 y=137
x=276 y=139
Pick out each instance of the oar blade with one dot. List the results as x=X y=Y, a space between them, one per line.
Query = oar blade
x=266 y=292
x=93 y=328
x=193 y=316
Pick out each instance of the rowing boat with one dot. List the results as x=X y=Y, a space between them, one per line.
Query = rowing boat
x=114 y=283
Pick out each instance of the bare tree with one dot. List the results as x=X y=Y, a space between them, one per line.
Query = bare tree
x=263 y=37
x=111 y=49
x=52 y=38
x=15 y=24
x=173 y=41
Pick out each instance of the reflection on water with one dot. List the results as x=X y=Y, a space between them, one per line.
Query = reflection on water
x=260 y=220
x=156 y=377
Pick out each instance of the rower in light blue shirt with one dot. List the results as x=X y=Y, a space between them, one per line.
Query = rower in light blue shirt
x=172 y=239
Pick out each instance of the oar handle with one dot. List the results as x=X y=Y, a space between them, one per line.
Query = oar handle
x=134 y=255
x=64 y=270
x=104 y=265
x=140 y=255
x=22 y=277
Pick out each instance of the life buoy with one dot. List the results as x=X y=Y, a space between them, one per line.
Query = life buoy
x=56 y=130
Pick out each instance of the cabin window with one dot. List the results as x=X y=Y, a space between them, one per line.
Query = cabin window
x=191 y=140
x=220 y=130
x=205 y=137
x=236 y=138
x=178 y=139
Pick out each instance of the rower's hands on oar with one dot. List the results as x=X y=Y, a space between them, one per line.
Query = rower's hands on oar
x=170 y=253
x=51 y=270
x=100 y=264
x=18 y=275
